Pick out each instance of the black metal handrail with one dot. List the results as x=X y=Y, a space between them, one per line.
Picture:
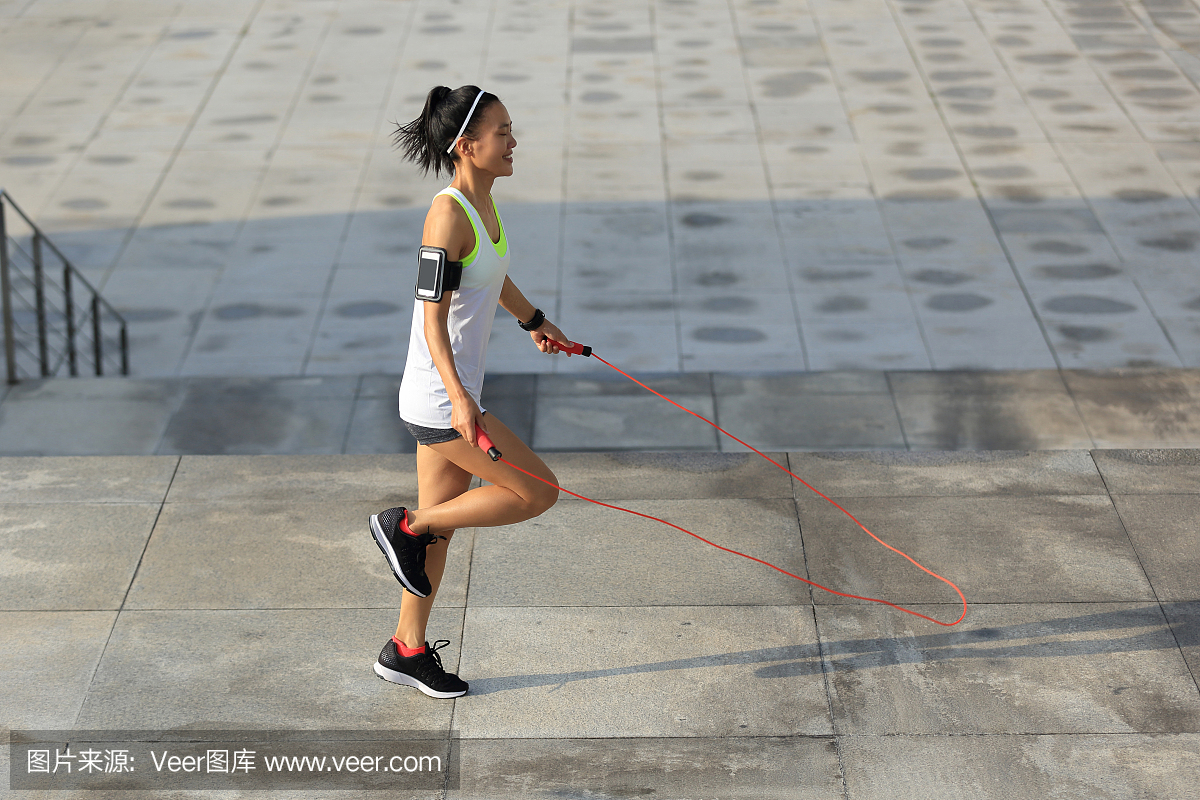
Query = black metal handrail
x=60 y=324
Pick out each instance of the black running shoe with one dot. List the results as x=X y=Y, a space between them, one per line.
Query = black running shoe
x=424 y=670
x=404 y=552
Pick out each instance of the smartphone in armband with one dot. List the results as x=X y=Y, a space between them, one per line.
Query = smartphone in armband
x=436 y=274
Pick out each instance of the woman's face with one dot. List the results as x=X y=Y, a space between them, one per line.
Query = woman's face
x=492 y=150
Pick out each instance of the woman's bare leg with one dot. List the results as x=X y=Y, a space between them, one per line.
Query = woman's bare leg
x=438 y=480
x=512 y=497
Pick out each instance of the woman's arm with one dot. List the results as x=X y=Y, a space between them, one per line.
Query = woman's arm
x=515 y=303
x=447 y=227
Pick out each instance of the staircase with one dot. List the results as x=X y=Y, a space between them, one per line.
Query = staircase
x=55 y=322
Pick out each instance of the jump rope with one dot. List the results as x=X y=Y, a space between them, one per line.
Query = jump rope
x=485 y=443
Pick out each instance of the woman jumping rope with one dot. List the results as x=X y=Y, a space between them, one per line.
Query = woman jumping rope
x=465 y=132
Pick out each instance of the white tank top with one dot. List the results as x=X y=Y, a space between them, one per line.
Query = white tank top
x=423 y=397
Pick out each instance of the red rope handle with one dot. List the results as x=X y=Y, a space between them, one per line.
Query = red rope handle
x=577 y=348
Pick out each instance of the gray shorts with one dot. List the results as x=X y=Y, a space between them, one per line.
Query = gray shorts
x=428 y=436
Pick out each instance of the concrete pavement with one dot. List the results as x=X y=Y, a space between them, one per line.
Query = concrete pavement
x=701 y=185
x=905 y=410
x=610 y=656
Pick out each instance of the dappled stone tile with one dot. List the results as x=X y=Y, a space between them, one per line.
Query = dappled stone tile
x=592 y=672
x=1002 y=766
x=237 y=684
x=971 y=541
x=802 y=768
x=1009 y=669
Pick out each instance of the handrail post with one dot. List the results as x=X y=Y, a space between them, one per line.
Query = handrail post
x=97 y=344
x=39 y=293
x=10 y=353
x=69 y=304
x=124 y=349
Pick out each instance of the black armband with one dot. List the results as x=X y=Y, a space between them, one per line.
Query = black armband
x=535 y=323
x=436 y=274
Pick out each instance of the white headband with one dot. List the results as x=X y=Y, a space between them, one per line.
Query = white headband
x=465 y=122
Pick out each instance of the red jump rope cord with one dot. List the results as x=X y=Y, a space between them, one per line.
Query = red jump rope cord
x=487 y=445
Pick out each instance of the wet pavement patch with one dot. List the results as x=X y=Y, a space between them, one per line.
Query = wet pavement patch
x=1140 y=195
x=1178 y=243
x=716 y=279
x=700 y=219
x=599 y=97
x=930 y=174
x=615 y=44
x=989 y=131
x=729 y=335
x=955 y=76
x=968 y=92
x=368 y=308
x=240 y=311
x=1086 y=304
x=791 y=84
x=1078 y=272
x=1004 y=173
x=29 y=161
x=965 y=301
x=940 y=277
x=1085 y=333
x=1058 y=248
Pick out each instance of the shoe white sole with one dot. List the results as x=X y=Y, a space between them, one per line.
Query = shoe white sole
x=386 y=548
x=408 y=680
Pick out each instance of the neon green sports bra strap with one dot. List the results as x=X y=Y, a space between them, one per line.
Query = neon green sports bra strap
x=466 y=207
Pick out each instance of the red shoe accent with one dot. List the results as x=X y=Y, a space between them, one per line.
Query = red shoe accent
x=404 y=524
x=405 y=650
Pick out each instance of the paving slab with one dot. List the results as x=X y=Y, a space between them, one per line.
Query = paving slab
x=50 y=658
x=262 y=670
x=1012 y=669
x=1001 y=421
x=1164 y=530
x=996 y=549
x=231 y=555
x=59 y=417
x=577 y=554
x=591 y=423
x=814 y=422
x=261 y=417
x=770 y=768
x=1149 y=471
x=1134 y=420
x=669 y=476
x=376 y=427
x=946 y=473
x=281 y=479
x=611 y=673
x=86 y=479
x=44 y=565
x=1184 y=619
x=1079 y=767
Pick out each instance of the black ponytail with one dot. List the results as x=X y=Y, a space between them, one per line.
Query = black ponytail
x=426 y=139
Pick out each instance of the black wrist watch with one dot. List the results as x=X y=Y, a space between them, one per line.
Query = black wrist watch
x=535 y=323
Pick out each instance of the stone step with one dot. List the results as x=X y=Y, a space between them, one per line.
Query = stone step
x=902 y=410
